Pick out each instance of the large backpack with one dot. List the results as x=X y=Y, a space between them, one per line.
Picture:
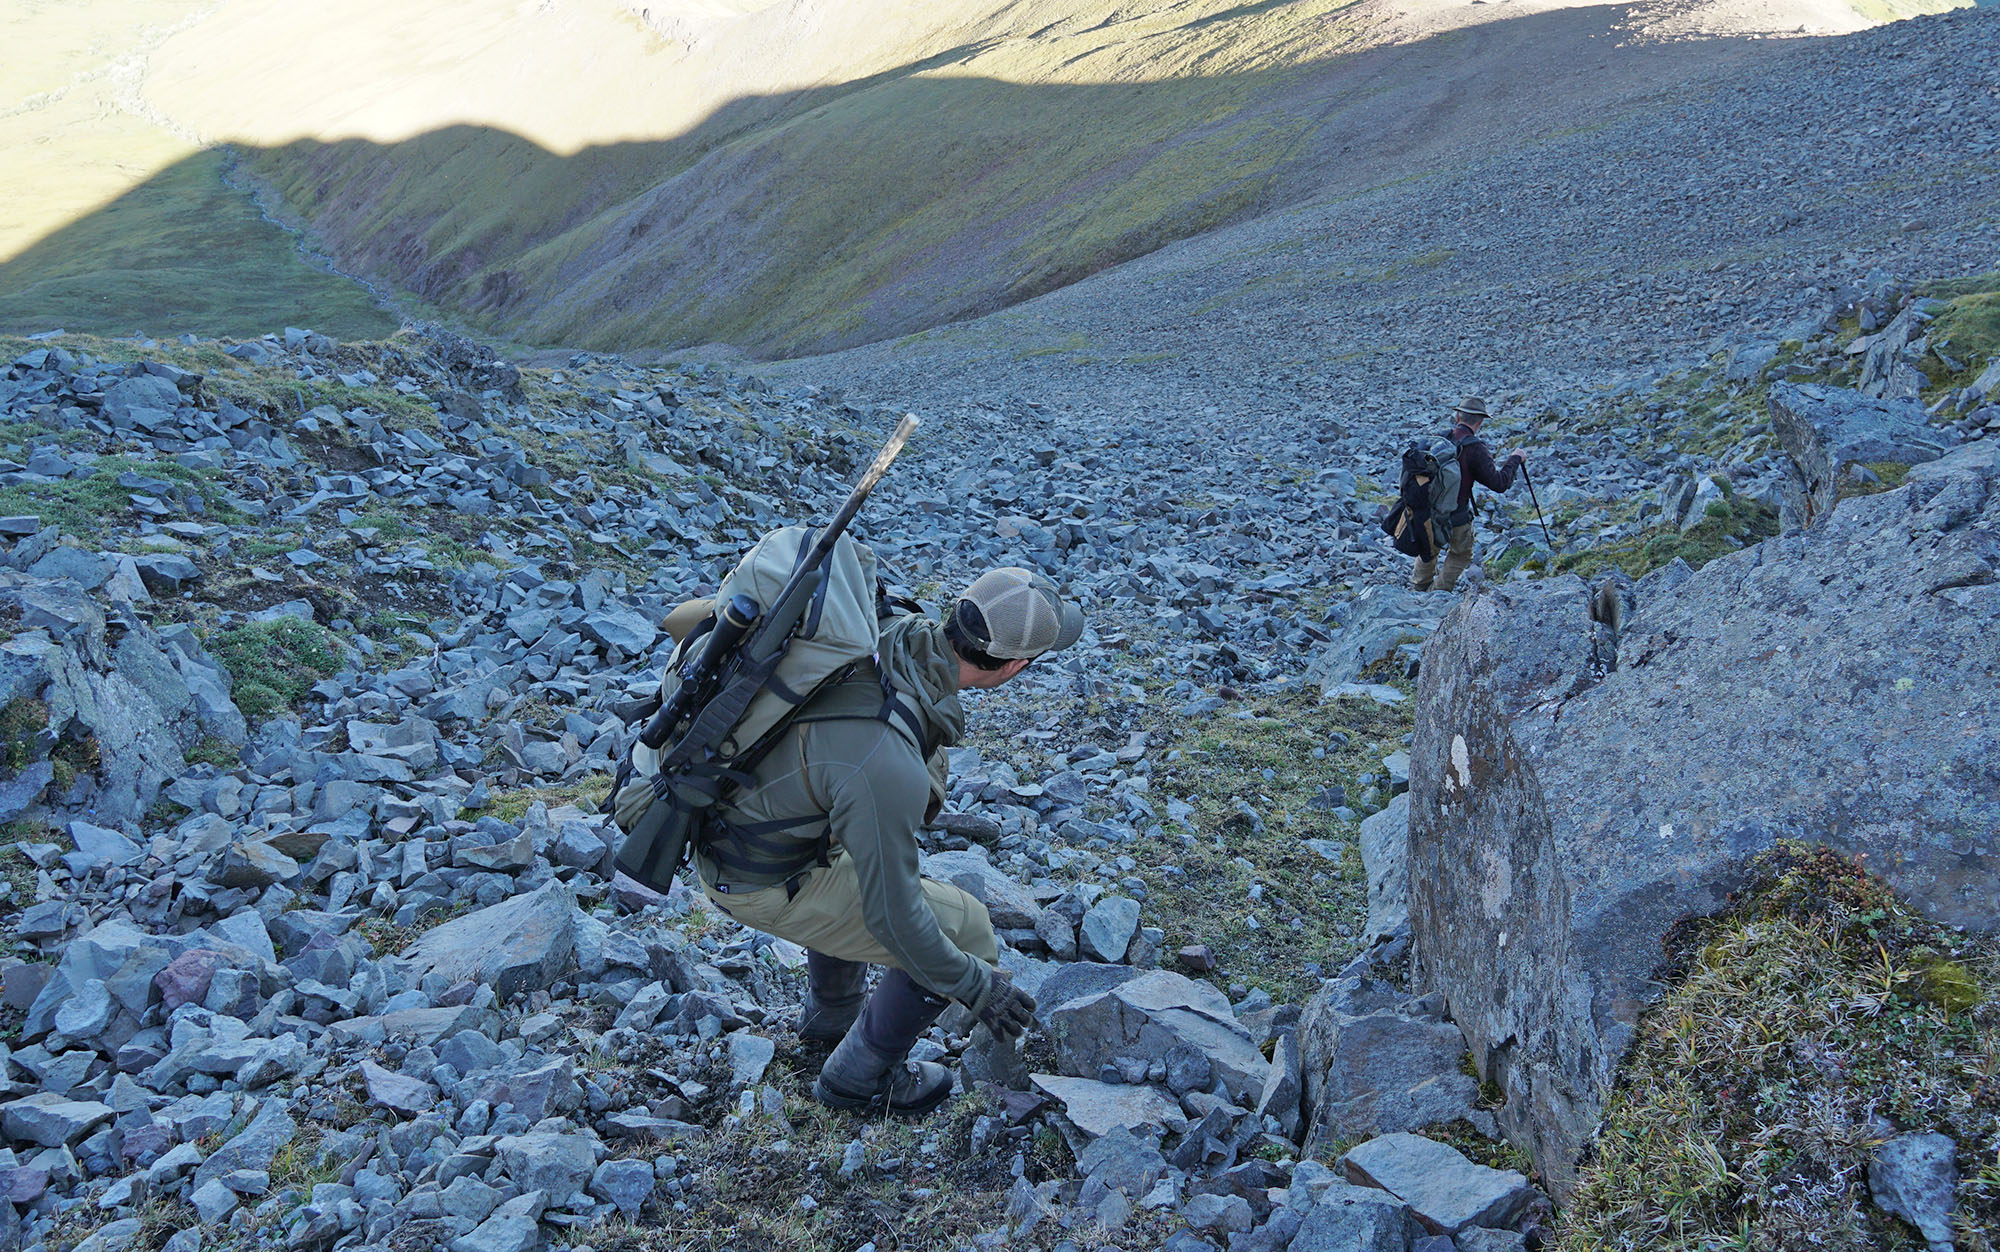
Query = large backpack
x=1419 y=524
x=840 y=631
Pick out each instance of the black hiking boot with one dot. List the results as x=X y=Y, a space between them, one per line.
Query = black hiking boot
x=867 y=1072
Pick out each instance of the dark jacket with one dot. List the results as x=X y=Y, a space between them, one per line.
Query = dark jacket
x=1475 y=464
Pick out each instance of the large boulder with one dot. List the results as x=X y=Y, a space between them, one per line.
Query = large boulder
x=1147 y=1017
x=1380 y=620
x=1826 y=429
x=518 y=945
x=1574 y=794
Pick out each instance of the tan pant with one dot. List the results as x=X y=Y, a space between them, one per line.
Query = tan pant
x=1457 y=555
x=826 y=915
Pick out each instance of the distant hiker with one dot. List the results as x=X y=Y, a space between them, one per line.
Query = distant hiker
x=1474 y=464
x=820 y=846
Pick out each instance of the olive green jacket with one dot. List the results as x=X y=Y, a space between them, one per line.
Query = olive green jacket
x=874 y=783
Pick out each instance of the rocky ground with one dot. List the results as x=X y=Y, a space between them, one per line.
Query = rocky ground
x=309 y=650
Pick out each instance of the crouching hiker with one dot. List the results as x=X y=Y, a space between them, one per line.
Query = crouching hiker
x=819 y=844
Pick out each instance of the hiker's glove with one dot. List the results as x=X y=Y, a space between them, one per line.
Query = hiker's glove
x=1003 y=1008
x=1517 y=455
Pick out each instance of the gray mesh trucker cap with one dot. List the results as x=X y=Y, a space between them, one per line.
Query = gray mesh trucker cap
x=1024 y=614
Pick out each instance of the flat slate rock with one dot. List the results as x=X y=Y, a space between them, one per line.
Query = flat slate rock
x=516 y=946
x=1446 y=1191
x=1097 y=1108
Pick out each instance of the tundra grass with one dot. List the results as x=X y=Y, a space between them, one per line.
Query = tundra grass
x=768 y=1183
x=992 y=165
x=1257 y=756
x=1729 y=526
x=86 y=507
x=180 y=252
x=273 y=665
x=1816 y=1018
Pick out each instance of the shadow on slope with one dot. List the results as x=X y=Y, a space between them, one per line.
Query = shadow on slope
x=828 y=218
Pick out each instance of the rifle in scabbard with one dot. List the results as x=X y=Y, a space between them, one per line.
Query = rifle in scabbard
x=732 y=664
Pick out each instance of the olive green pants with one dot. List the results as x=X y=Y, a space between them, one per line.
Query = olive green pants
x=825 y=915
x=1457 y=556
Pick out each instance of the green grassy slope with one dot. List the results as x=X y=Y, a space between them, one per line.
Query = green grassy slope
x=1016 y=154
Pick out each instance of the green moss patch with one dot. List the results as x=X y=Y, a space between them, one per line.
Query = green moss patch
x=272 y=665
x=1309 y=907
x=1730 y=526
x=86 y=507
x=21 y=725
x=1817 y=1016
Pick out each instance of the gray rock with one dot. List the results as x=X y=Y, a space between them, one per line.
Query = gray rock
x=1108 y=928
x=101 y=848
x=538 y=1092
x=143 y=393
x=1613 y=802
x=1123 y=1161
x=253 y=1146
x=1381 y=619
x=1096 y=1108
x=253 y=863
x=557 y=1164
x=213 y=1202
x=1149 y=1017
x=1079 y=980
x=514 y=1227
x=749 y=1056
x=627 y=1184
x=468 y=1197
x=1915 y=1177
x=1345 y=1218
x=85 y=1014
x=1445 y=1191
x=51 y=1120
x=1284 y=1089
x=1380 y=1073
x=629 y=632
x=1826 y=429
x=1480 y=1239
x=117 y=1236
x=166 y=573
x=396 y=1091
x=502 y=858
x=1224 y=1213
x=1385 y=844
x=519 y=945
x=969 y=870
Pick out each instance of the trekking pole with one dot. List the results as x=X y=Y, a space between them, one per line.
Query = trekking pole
x=1538 y=506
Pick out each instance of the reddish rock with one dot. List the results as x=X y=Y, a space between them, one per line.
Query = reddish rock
x=1196 y=958
x=185 y=980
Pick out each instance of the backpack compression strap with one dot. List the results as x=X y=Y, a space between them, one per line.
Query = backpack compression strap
x=750 y=848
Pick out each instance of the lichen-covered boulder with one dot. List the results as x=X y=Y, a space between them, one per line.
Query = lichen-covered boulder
x=1576 y=790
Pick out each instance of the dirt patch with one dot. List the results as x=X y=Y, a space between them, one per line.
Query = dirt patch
x=338 y=457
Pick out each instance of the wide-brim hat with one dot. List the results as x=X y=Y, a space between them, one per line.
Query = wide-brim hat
x=1018 y=613
x=1472 y=406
